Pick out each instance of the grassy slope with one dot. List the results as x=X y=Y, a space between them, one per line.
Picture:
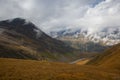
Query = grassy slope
x=15 y=69
x=110 y=58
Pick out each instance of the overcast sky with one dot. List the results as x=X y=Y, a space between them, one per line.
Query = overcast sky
x=55 y=15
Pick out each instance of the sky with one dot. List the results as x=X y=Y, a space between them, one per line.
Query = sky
x=56 y=15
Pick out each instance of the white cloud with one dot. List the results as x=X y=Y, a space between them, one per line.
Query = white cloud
x=105 y=14
x=50 y=15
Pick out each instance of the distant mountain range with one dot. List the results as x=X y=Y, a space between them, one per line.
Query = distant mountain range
x=90 y=42
x=22 y=39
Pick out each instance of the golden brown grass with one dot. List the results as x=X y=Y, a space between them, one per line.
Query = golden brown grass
x=109 y=59
x=15 y=69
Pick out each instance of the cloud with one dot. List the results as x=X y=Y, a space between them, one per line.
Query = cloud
x=105 y=14
x=55 y=15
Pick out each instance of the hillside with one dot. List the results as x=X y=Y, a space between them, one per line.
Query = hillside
x=22 y=39
x=41 y=70
x=110 y=58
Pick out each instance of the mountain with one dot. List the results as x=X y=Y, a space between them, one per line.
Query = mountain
x=22 y=39
x=83 y=40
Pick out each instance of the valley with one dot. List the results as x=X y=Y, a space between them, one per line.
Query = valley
x=102 y=67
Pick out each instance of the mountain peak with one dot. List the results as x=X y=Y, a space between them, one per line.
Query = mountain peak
x=20 y=21
x=21 y=26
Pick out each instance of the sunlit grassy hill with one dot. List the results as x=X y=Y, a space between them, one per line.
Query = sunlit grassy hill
x=110 y=58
